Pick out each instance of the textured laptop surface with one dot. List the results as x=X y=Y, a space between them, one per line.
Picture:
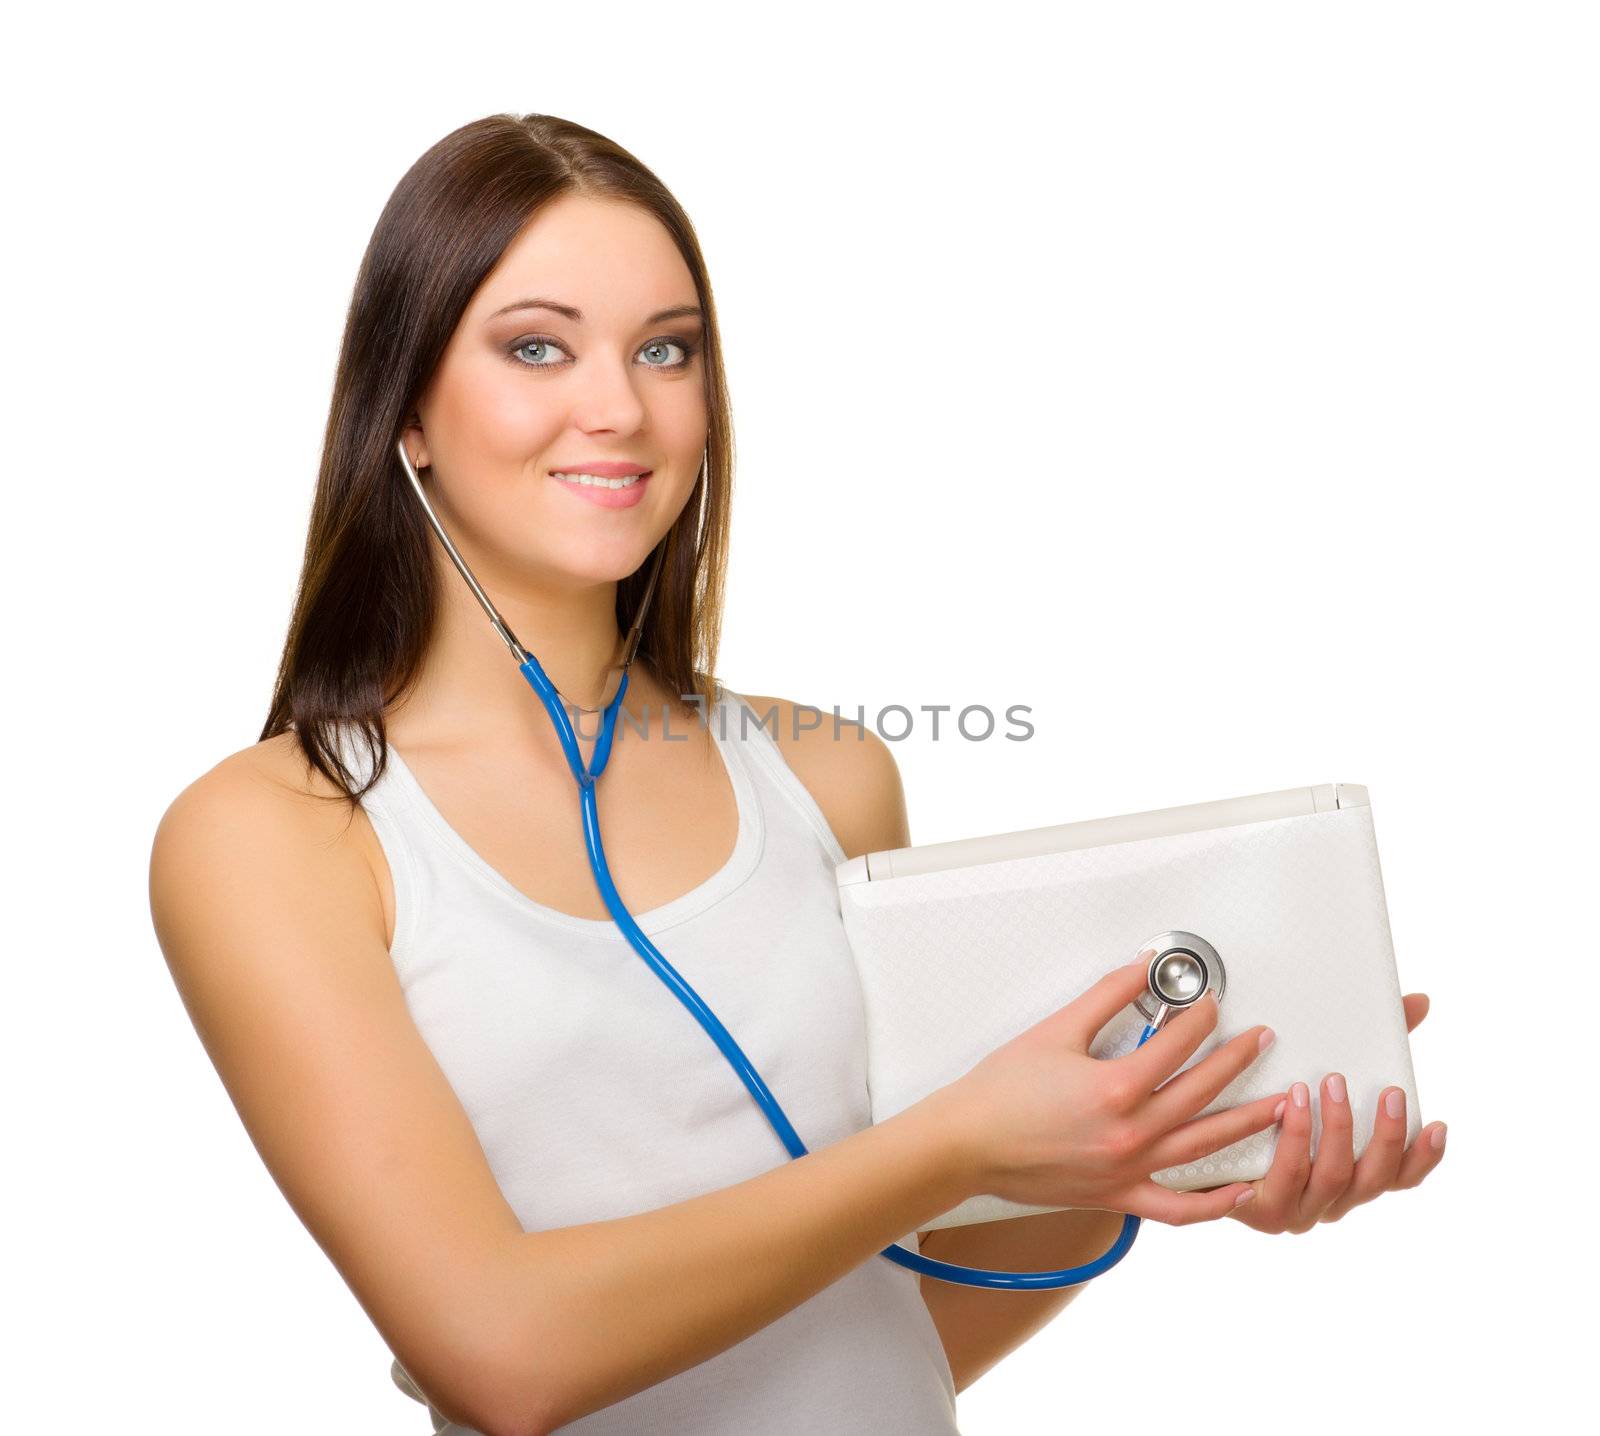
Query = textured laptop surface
x=956 y=961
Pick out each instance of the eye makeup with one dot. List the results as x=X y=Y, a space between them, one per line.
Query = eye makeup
x=689 y=346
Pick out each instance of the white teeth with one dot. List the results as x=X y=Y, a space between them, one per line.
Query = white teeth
x=593 y=479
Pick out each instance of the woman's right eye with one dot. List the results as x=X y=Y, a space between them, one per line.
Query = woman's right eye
x=543 y=345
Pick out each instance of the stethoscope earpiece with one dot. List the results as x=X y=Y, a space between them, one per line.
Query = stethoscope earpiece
x=1184 y=968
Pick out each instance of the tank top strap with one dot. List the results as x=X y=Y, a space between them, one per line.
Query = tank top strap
x=388 y=810
x=746 y=732
x=360 y=759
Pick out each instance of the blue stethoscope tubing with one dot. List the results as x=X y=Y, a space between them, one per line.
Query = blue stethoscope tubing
x=741 y=1064
x=585 y=776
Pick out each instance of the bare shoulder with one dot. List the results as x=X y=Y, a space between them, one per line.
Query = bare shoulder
x=274 y=771
x=267 y=913
x=847 y=768
x=256 y=811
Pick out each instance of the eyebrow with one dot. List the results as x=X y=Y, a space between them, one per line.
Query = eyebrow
x=680 y=311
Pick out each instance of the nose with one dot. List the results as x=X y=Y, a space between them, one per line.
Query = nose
x=606 y=397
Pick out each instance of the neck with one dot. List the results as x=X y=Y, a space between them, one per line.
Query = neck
x=468 y=688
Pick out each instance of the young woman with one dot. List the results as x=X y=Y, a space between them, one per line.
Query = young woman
x=539 y=1177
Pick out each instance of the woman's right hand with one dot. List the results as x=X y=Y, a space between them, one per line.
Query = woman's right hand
x=1046 y=1124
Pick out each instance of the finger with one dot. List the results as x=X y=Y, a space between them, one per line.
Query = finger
x=1379 y=1165
x=1335 y=1162
x=1416 y=1005
x=1150 y=1065
x=1291 y=1162
x=1080 y=1021
x=1213 y=1132
x=1422 y=1157
x=1180 y=1209
x=1191 y=1091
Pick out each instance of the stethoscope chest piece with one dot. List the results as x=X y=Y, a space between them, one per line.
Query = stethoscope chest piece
x=1185 y=967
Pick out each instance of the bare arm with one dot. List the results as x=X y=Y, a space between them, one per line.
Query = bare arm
x=270 y=920
x=627 y=1303
x=979 y=1326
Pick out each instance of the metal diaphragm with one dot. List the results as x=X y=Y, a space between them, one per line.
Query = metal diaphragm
x=1185 y=967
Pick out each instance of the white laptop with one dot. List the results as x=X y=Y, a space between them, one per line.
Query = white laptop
x=962 y=945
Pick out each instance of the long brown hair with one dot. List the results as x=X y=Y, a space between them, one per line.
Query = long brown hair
x=366 y=599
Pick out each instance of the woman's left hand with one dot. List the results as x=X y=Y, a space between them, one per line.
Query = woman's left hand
x=1297 y=1193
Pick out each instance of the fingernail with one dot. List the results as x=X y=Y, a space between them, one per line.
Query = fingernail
x=1336 y=1087
x=1244 y=1196
x=1438 y=1138
x=1268 y=1037
x=1277 y=1112
x=1394 y=1103
x=1301 y=1094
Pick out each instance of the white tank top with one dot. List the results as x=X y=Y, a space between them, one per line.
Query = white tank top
x=596 y=1094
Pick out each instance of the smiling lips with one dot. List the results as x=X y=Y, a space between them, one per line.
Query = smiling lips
x=610 y=485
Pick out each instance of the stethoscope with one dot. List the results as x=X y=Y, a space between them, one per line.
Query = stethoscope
x=1183 y=968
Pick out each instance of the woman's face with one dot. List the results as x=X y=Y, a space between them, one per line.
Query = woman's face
x=526 y=391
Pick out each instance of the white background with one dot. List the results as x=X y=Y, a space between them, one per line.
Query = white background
x=1218 y=380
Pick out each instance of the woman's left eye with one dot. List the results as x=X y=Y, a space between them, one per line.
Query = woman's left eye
x=658 y=345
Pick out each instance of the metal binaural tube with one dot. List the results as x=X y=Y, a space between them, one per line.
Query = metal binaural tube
x=631 y=644
x=517 y=650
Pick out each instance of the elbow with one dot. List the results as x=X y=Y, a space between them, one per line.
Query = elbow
x=517 y=1422
x=498 y=1407
x=513 y=1394
x=491 y=1385
x=501 y=1425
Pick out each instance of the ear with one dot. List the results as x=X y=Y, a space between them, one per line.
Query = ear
x=416 y=443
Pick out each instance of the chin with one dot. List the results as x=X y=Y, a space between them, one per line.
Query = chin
x=586 y=563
